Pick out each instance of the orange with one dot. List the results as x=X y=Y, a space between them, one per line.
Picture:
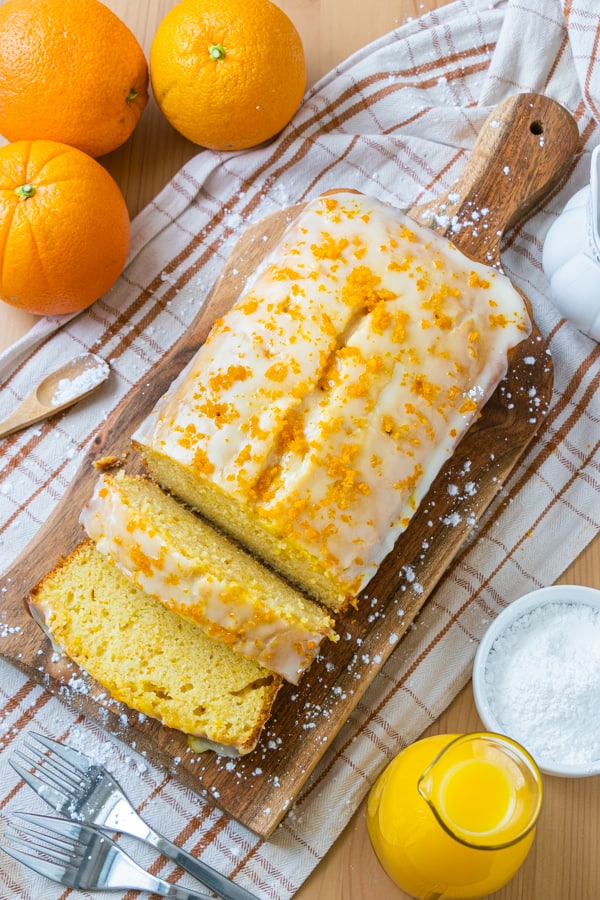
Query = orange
x=227 y=74
x=70 y=71
x=64 y=228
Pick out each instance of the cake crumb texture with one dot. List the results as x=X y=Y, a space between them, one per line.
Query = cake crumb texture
x=150 y=658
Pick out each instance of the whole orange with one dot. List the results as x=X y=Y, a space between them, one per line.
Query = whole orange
x=70 y=71
x=64 y=228
x=227 y=74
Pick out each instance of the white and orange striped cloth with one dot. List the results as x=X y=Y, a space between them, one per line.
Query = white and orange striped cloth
x=396 y=120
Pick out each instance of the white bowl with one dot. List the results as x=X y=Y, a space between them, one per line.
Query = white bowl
x=536 y=678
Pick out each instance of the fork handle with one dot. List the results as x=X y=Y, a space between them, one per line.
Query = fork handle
x=218 y=883
x=176 y=892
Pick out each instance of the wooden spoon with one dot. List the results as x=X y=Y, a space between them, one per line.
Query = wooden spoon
x=68 y=384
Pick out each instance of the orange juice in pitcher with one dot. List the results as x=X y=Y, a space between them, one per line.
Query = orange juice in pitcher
x=453 y=816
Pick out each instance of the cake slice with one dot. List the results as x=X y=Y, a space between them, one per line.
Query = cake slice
x=150 y=658
x=314 y=419
x=198 y=573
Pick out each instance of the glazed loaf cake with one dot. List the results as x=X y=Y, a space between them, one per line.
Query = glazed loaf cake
x=150 y=658
x=198 y=573
x=314 y=419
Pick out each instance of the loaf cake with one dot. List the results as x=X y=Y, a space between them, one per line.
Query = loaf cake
x=152 y=659
x=314 y=419
x=193 y=570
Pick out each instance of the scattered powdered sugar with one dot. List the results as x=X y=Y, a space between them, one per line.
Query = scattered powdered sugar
x=543 y=681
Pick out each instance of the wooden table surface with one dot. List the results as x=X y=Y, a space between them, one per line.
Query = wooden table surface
x=564 y=863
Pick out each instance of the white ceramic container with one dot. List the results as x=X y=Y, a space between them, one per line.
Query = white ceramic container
x=571 y=256
x=536 y=678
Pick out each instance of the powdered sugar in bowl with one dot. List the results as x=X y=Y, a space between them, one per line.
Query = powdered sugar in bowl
x=536 y=678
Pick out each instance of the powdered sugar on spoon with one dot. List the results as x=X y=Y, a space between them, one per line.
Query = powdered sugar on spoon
x=65 y=386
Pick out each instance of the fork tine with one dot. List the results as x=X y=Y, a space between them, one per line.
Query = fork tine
x=41 y=866
x=60 y=850
x=78 y=760
x=58 y=776
x=41 y=786
x=51 y=853
x=58 y=769
x=63 y=827
x=63 y=850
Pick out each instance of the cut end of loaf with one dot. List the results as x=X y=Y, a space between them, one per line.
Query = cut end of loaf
x=150 y=658
x=194 y=570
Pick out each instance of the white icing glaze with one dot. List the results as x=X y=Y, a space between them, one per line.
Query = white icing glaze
x=226 y=610
x=332 y=393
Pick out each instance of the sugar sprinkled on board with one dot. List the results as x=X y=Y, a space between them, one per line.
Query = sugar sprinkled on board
x=543 y=681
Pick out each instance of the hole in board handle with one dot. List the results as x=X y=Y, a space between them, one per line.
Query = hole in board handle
x=536 y=127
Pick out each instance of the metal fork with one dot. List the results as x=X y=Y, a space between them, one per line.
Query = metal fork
x=76 y=787
x=82 y=857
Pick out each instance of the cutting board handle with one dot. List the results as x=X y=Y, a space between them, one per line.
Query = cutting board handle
x=521 y=152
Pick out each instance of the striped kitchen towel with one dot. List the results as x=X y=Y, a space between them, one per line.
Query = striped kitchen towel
x=396 y=120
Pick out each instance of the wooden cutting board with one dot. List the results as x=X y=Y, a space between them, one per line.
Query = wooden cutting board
x=523 y=149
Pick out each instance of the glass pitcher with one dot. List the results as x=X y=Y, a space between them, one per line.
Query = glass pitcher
x=453 y=816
